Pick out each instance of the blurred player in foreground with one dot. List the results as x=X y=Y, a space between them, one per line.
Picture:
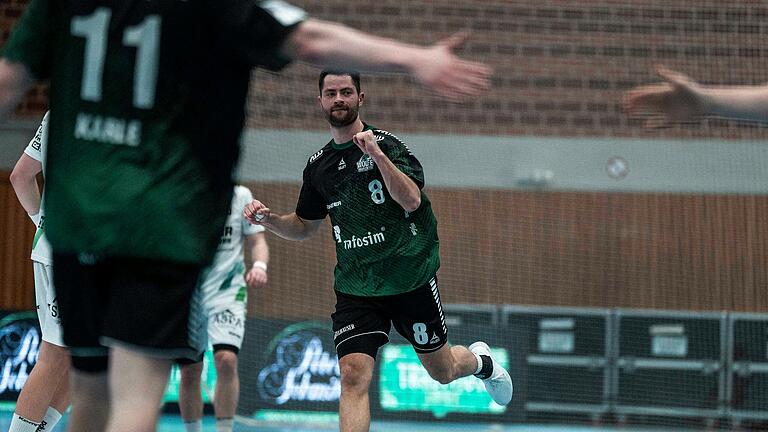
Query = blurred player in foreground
x=146 y=115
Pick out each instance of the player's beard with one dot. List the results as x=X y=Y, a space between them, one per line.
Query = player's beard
x=346 y=120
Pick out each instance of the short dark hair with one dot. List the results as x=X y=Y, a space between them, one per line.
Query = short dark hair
x=352 y=74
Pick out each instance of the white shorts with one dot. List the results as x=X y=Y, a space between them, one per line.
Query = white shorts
x=47 y=306
x=226 y=324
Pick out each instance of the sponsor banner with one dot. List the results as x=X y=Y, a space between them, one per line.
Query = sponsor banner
x=404 y=385
x=20 y=340
x=291 y=367
x=288 y=366
x=403 y=390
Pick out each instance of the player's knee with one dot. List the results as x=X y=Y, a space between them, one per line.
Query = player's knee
x=226 y=363
x=354 y=376
x=190 y=373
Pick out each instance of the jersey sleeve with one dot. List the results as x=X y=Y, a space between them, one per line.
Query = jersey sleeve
x=244 y=197
x=311 y=205
x=258 y=29
x=36 y=147
x=402 y=157
x=30 y=41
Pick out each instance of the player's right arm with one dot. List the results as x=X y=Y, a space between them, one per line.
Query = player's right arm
x=24 y=182
x=289 y=226
x=437 y=67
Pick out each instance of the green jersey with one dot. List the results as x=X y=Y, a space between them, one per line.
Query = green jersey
x=146 y=108
x=380 y=248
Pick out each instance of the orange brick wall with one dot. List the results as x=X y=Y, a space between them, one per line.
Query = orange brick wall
x=560 y=65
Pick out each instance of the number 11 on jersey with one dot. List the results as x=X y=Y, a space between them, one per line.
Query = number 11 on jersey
x=145 y=37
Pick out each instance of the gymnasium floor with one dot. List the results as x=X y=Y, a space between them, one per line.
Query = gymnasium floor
x=172 y=423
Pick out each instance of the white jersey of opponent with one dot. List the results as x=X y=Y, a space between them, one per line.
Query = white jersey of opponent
x=224 y=281
x=41 y=249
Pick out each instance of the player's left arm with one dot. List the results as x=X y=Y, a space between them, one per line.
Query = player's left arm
x=24 y=182
x=680 y=99
x=401 y=187
x=256 y=254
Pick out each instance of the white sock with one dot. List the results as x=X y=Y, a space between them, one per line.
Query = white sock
x=52 y=416
x=224 y=424
x=479 y=364
x=194 y=426
x=20 y=424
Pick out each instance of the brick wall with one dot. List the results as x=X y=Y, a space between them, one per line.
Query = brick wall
x=561 y=65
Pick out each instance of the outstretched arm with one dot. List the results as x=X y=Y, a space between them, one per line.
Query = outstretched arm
x=329 y=44
x=289 y=227
x=680 y=99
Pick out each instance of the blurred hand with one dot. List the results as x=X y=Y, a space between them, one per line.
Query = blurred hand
x=677 y=100
x=256 y=212
x=448 y=75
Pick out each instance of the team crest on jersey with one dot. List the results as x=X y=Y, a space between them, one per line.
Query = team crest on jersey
x=365 y=163
x=315 y=156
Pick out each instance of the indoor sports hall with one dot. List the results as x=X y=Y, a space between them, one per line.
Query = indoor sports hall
x=619 y=272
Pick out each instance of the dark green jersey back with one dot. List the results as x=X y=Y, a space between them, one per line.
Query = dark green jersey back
x=147 y=104
x=381 y=249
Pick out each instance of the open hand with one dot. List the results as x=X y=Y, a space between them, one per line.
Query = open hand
x=676 y=100
x=447 y=74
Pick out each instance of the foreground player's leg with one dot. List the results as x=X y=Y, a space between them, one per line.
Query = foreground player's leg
x=41 y=387
x=354 y=409
x=90 y=399
x=136 y=386
x=227 y=388
x=190 y=399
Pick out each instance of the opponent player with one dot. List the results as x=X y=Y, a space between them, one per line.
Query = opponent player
x=370 y=184
x=242 y=251
x=680 y=99
x=146 y=113
x=45 y=395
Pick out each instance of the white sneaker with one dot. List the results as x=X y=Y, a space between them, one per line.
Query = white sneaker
x=499 y=384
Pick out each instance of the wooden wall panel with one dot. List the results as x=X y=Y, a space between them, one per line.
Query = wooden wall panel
x=16 y=233
x=663 y=251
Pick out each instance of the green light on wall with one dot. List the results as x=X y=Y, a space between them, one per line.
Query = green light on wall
x=406 y=386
